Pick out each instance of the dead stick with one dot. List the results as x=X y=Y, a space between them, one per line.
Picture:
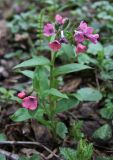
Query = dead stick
x=9 y=155
x=29 y=143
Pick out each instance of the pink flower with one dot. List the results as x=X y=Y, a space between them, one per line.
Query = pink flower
x=85 y=33
x=49 y=30
x=30 y=102
x=59 y=19
x=55 y=45
x=21 y=95
x=80 y=48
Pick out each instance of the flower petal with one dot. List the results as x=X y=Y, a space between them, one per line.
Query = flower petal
x=21 y=95
x=49 y=30
x=89 y=30
x=79 y=36
x=59 y=19
x=80 y=48
x=93 y=37
x=82 y=26
x=30 y=102
x=55 y=45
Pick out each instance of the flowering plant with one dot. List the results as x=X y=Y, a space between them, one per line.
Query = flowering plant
x=49 y=100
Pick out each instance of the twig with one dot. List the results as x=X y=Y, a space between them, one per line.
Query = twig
x=73 y=116
x=106 y=149
x=9 y=155
x=44 y=158
x=29 y=143
x=51 y=155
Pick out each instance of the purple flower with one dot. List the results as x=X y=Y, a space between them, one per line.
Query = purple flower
x=80 y=48
x=30 y=102
x=85 y=29
x=55 y=45
x=85 y=32
x=93 y=37
x=79 y=36
x=49 y=30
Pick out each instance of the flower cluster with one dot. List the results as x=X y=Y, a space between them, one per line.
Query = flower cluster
x=49 y=30
x=84 y=32
x=28 y=102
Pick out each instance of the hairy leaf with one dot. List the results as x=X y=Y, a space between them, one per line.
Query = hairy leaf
x=68 y=68
x=89 y=94
x=103 y=133
x=36 y=61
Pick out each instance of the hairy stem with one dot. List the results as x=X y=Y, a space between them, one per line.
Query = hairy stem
x=52 y=102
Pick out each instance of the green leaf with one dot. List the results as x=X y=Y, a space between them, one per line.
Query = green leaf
x=28 y=73
x=108 y=50
x=40 y=80
x=68 y=68
x=35 y=157
x=104 y=158
x=107 y=64
x=76 y=130
x=68 y=153
x=55 y=92
x=2 y=137
x=2 y=157
x=21 y=114
x=94 y=48
x=77 y=96
x=68 y=52
x=84 y=59
x=37 y=61
x=66 y=104
x=103 y=133
x=14 y=98
x=84 y=150
x=89 y=94
x=38 y=114
x=106 y=75
x=23 y=158
x=3 y=90
x=61 y=130
x=107 y=112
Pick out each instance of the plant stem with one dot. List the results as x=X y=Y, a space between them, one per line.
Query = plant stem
x=52 y=102
x=52 y=81
x=51 y=70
